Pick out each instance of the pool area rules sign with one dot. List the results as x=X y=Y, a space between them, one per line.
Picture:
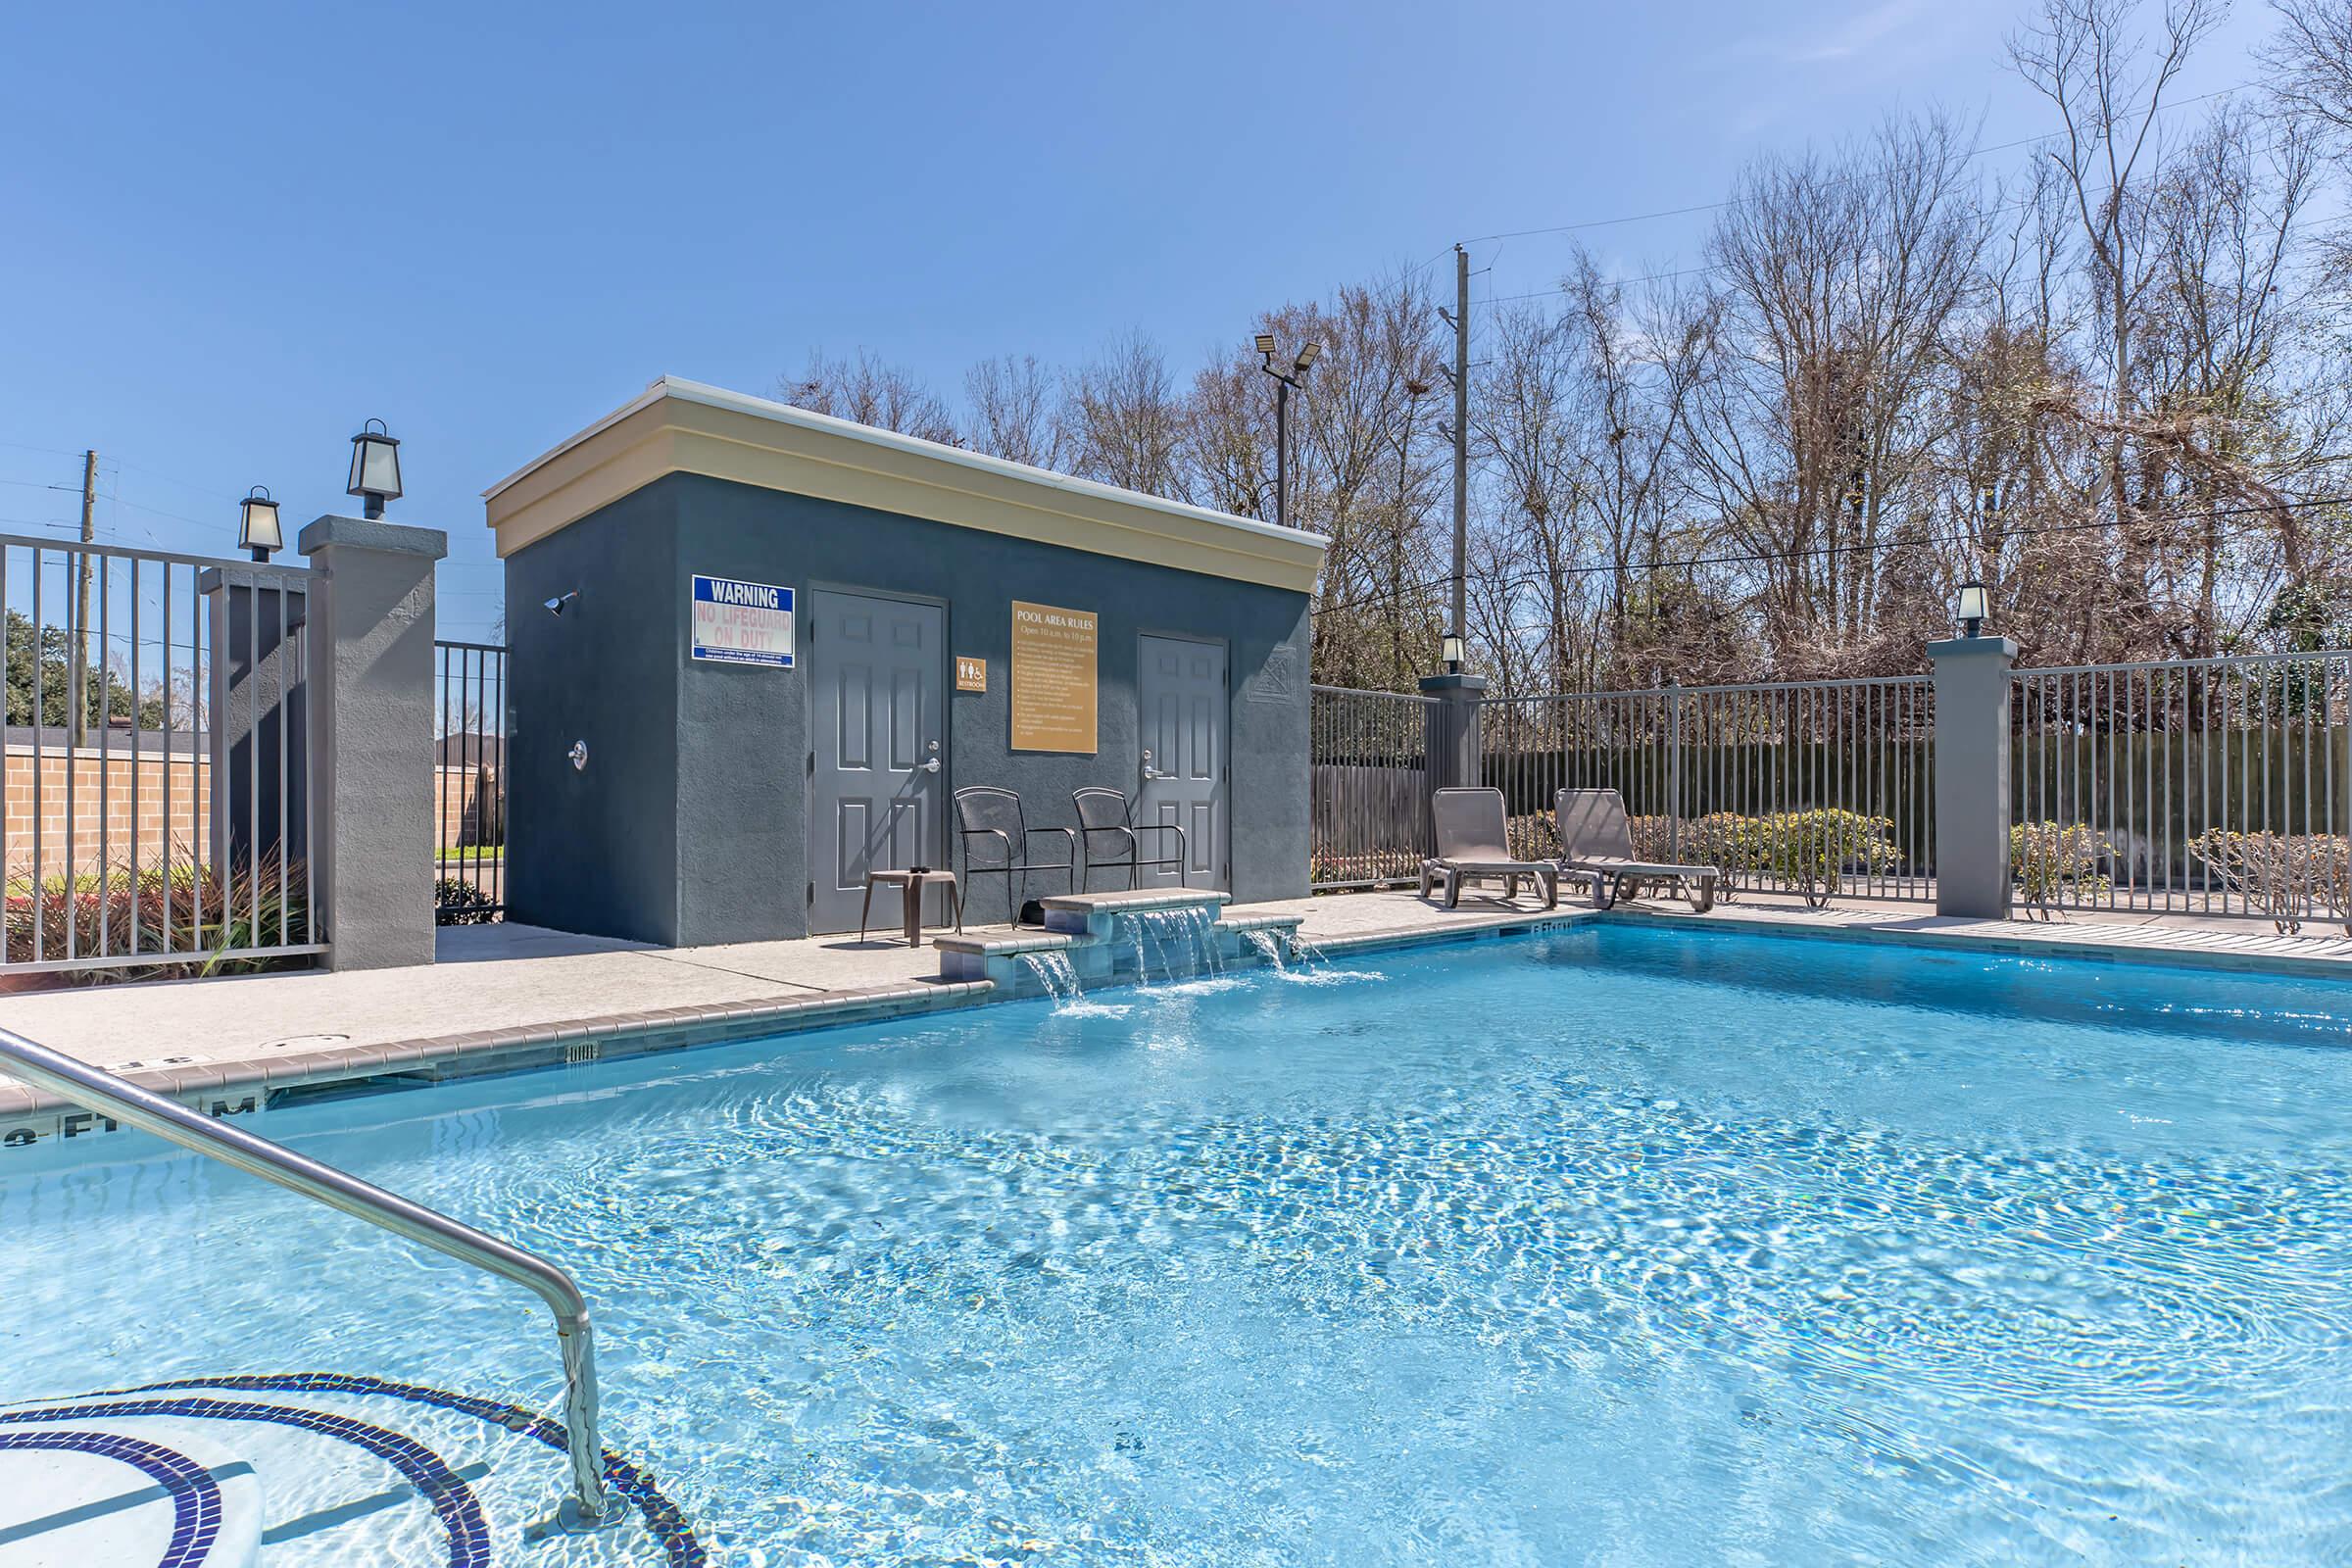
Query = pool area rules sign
x=1053 y=678
x=737 y=622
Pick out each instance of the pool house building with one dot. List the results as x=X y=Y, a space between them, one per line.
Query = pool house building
x=756 y=652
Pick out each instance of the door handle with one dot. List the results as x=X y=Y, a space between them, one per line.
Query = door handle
x=1151 y=772
x=930 y=765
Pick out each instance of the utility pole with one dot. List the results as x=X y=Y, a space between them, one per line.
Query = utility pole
x=77 y=659
x=1461 y=443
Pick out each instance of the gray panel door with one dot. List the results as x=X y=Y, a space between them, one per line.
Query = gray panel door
x=1185 y=712
x=874 y=792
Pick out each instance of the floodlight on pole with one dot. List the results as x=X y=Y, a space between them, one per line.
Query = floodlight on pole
x=1284 y=383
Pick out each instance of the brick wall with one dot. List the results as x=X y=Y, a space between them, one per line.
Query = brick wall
x=103 y=808
x=458 y=816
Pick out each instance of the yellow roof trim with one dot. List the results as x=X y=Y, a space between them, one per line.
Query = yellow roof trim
x=686 y=427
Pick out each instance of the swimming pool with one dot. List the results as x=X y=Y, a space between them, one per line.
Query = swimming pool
x=1619 y=1244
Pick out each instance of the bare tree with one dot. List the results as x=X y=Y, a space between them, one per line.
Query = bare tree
x=2311 y=78
x=1812 y=440
x=1227 y=443
x=1123 y=419
x=1362 y=467
x=1013 y=412
x=2311 y=57
x=2112 y=385
x=2108 y=86
x=868 y=391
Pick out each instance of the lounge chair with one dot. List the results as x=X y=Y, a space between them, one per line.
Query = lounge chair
x=1597 y=840
x=1473 y=844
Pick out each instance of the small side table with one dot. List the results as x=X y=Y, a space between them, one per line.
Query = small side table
x=910 y=886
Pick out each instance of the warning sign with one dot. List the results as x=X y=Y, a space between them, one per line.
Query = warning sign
x=739 y=622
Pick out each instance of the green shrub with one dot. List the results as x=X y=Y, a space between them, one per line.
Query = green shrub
x=1813 y=851
x=458 y=902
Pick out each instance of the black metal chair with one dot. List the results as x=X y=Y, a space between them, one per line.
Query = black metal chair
x=1106 y=813
x=995 y=836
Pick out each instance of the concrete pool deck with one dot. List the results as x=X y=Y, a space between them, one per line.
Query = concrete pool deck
x=511 y=996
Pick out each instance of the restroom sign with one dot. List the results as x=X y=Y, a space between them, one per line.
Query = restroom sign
x=736 y=622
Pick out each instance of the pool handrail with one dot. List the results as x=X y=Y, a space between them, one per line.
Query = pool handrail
x=94 y=1089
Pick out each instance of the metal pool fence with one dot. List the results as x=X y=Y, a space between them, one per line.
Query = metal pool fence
x=1812 y=787
x=2204 y=786
x=156 y=788
x=1370 y=786
x=469 y=782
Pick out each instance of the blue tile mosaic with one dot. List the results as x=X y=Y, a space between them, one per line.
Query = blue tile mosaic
x=452 y=1501
x=195 y=1495
x=662 y=1519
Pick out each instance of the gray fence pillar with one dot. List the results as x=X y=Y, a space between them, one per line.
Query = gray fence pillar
x=254 y=696
x=1972 y=775
x=1456 y=758
x=372 y=671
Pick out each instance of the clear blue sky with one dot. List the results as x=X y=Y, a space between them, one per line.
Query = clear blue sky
x=228 y=233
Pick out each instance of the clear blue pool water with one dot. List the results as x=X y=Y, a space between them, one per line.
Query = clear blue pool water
x=1620 y=1245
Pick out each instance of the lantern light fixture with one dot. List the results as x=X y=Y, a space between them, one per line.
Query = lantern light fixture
x=1969 y=611
x=258 y=528
x=1450 y=647
x=375 y=467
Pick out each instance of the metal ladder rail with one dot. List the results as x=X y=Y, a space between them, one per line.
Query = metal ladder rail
x=99 y=1091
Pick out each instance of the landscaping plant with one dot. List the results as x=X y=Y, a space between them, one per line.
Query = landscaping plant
x=2047 y=860
x=458 y=902
x=1813 y=851
x=2285 y=875
x=191 y=911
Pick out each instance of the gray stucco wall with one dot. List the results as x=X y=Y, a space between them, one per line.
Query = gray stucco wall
x=596 y=851
x=689 y=825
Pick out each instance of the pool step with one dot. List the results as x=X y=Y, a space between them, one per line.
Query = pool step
x=127 y=1490
x=307 y=1468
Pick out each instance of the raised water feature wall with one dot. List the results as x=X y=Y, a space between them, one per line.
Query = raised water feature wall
x=1129 y=938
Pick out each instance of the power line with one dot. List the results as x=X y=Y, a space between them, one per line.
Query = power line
x=2001 y=535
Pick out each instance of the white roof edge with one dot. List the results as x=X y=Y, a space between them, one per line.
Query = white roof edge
x=719 y=397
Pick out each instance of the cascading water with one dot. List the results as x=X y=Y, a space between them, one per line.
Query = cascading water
x=1053 y=973
x=1293 y=958
x=1269 y=948
x=1175 y=946
x=1305 y=951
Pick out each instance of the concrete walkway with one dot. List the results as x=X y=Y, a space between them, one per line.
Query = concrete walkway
x=500 y=989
